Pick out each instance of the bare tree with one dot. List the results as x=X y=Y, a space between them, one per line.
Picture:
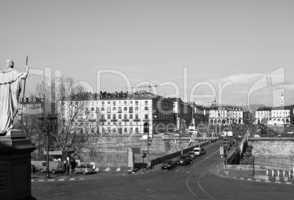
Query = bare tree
x=71 y=112
x=68 y=135
x=67 y=132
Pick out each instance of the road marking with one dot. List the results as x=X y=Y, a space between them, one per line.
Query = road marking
x=205 y=191
x=72 y=179
x=189 y=188
x=198 y=181
x=61 y=179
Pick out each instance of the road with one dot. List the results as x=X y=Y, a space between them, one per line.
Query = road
x=194 y=182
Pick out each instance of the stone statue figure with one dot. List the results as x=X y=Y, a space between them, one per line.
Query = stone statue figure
x=11 y=84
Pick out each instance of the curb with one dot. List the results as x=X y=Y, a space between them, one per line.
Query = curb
x=56 y=180
x=256 y=180
x=72 y=179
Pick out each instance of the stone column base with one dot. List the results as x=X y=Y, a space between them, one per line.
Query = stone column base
x=15 y=166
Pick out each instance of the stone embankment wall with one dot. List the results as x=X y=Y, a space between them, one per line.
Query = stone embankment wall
x=113 y=151
x=273 y=152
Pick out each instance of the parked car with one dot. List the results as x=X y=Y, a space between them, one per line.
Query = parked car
x=85 y=168
x=192 y=154
x=198 y=151
x=184 y=160
x=133 y=171
x=169 y=165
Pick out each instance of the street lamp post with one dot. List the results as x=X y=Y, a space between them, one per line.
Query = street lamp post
x=253 y=166
x=148 y=138
x=48 y=147
x=148 y=150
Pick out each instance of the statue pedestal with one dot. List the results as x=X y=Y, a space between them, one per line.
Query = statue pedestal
x=15 y=166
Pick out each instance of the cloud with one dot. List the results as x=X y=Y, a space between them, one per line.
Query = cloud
x=246 y=85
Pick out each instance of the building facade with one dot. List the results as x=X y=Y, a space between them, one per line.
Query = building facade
x=124 y=116
x=226 y=115
x=262 y=115
x=275 y=116
x=200 y=114
x=183 y=113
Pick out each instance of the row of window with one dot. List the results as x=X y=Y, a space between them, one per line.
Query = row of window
x=125 y=116
x=110 y=130
x=277 y=119
x=119 y=102
x=225 y=118
x=212 y=121
x=114 y=103
x=116 y=109
x=120 y=130
x=94 y=125
x=118 y=123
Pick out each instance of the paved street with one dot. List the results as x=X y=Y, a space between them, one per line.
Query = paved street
x=192 y=182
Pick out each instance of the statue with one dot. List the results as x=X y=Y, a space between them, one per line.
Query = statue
x=12 y=83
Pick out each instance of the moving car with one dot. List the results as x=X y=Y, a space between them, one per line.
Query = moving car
x=169 y=165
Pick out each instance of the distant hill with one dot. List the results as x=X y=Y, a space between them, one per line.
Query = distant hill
x=253 y=107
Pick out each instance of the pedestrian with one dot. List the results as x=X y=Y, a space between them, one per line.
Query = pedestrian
x=67 y=165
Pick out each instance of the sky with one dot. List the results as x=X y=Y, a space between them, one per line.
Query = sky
x=182 y=43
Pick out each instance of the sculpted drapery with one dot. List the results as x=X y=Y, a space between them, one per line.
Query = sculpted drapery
x=10 y=90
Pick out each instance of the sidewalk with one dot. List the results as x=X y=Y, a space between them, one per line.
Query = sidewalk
x=108 y=171
x=258 y=175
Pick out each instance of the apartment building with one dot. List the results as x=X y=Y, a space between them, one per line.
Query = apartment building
x=275 y=116
x=226 y=115
x=262 y=115
x=121 y=116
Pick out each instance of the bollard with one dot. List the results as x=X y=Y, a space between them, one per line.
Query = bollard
x=267 y=172
x=273 y=173
x=284 y=173
x=278 y=173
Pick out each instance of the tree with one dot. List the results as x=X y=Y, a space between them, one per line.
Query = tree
x=69 y=136
x=64 y=133
x=33 y=128
x=72 y=112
